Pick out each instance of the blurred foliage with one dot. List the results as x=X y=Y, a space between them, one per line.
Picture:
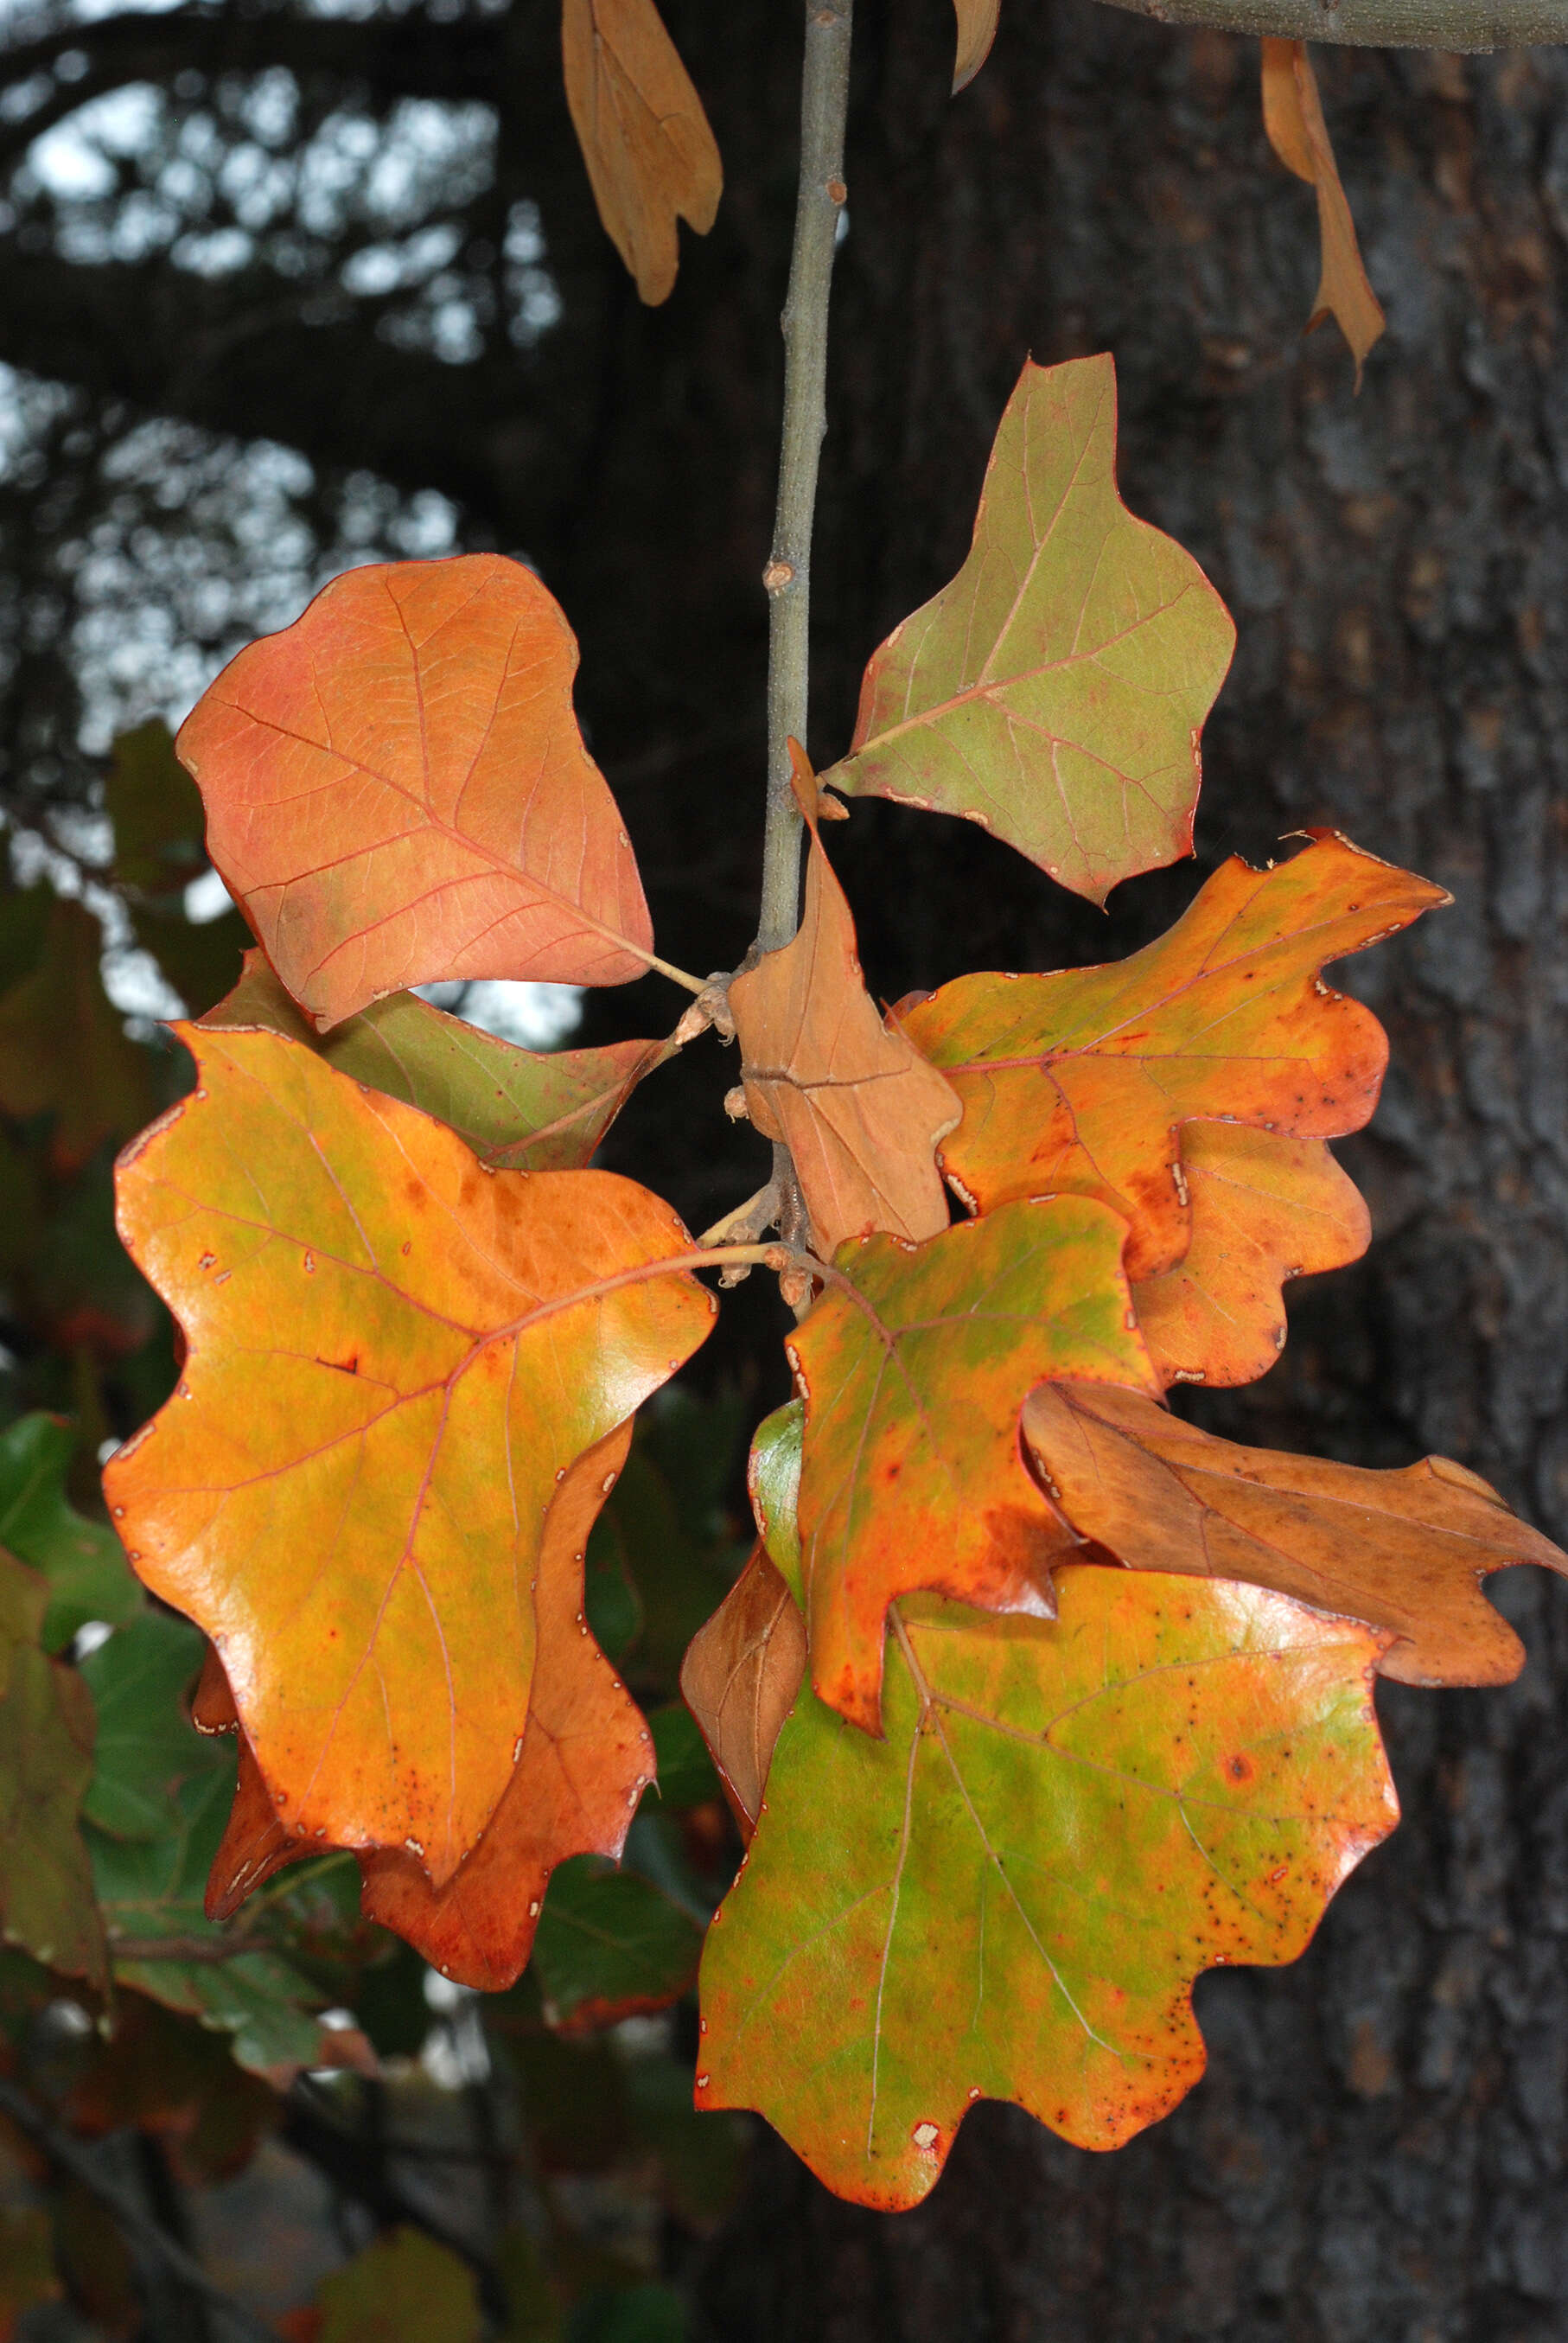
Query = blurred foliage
x=565 y=2102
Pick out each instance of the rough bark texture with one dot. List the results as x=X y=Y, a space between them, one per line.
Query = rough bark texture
x=1380 y=2154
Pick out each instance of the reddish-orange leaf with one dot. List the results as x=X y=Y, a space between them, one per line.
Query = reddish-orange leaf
x=1293 y=120
x=394 y=1358
x=212 y=1702
x=859 y=1107
x=396 y=791
x=1077 y=1081
x=739 y=1678
x=1265 y=1210
x=977 y=31
x=914 y=1366
x=587 y=1757
x=1406 y=1551
x=650 y=155
x=255 y=1844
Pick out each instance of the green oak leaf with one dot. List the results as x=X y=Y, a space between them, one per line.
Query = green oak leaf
x=518 y=1110
x=685 y=1775
x=151 y=1890
x=82 y=1561
x=1055 y=691
x=403 y=2288
x=148 y=1744
x=609 y=1944
x=46 y=1905
x=1010 y=1895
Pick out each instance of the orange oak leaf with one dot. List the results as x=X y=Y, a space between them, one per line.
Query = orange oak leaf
x=1293 y=120
x=1055 y=691
x=914 y=1366
x=396 y=791
x=586 y=1756
x=859 y=1107
x=739 y=1678
x=651 y=158
x=255 y=1844
x=393 y=1357
x=1405 y=1550
x=518 y=1110
x=1265 y=1210
x=1077 y=1081
x=977 y=31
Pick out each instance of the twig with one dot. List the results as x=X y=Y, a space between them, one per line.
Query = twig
x=130 y=1950
x=824 y=102
x=68 y=2157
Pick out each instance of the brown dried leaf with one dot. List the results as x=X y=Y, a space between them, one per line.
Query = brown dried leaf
x=977 y=31
x=859 y=1107
x=1293 y=120
x=739 y=1679
x=1404 y=1551
x=650 y=155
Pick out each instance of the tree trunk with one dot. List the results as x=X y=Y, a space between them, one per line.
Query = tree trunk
x=1378 y=2150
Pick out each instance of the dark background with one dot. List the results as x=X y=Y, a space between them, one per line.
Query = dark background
x=1378 y=2151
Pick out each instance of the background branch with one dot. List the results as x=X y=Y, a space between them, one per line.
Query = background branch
x=68 y=2157
x=1372 y=24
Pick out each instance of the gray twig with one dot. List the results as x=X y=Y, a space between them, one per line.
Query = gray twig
x=70 y=2157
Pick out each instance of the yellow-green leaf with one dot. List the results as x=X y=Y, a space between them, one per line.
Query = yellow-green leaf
x=1009 y=1896
x=1054 y=693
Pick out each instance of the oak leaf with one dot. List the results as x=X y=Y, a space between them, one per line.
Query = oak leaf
x=1265 y=1210
x=859 y=1107
x=977 y=31
x=610 y=1945
x=651 y=158
x=396 y=791
x=255 y=1845
x=1009 y=1896
x=150 y=1892
x=1293 y=120
x=1405 y=1550
x=63 y=1050
x=46 y=1727
x=403 y=2288
x=740 y=1677
x=81 y=1560
x=156 y=811
x=586 y=1756
x=518 y=1110
x=1054 y=693
x=145 y=1749
x=394 y=1358
x=914 y=1366
x=1077 y=1081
